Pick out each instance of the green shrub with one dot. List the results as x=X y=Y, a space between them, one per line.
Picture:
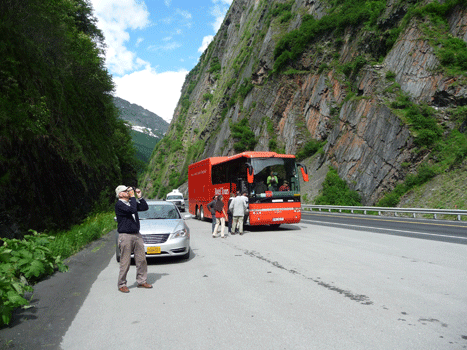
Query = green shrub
x=22 y=263
x=423 y=123
x=335 y=191
x=241 y=131
x=281 y=9
x=424 y=174
x=215 y=66
x=342 y=14
x=309 y=149
x=354 y=67
x=208 y=97
x=391 y=76
x=392 y=199
x=245 y=88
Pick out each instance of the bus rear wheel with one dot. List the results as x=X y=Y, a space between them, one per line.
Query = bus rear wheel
x=201 y=213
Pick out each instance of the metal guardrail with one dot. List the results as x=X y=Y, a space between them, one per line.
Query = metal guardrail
x=435 y=212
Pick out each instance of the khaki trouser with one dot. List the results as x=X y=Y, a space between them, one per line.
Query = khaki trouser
x=127 y=243
x=237 y=222
x=221 y=222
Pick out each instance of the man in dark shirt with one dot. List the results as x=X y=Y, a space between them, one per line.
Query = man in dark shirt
x=129 y=238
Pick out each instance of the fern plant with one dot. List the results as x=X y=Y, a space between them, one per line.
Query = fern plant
x=22 y=263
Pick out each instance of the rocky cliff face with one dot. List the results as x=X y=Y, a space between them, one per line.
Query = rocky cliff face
x=340 y=90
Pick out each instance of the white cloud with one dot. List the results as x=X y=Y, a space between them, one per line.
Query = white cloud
x=139 y=41
x=225 y=2
x=157 y=92
x=206 y=41
x=115 y=18
x=166 y=47
x=219 y=11
x=135 y=79
x=185 y=14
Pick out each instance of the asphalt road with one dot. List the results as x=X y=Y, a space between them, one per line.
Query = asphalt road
x=439 y=230
x=305 y=286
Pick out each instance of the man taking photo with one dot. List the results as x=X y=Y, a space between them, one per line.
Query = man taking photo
x=129 y=238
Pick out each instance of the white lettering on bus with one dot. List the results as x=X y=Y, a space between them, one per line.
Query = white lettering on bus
x=224 y=191
x=199 y=173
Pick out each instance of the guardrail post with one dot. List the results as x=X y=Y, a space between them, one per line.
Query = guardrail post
x=458 y=218
x=434 y=216
x=413 y=215
x=379 y=213
x=395 y=214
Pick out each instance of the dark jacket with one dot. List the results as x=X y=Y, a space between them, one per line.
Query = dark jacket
x=211 y=207
x=126 y=222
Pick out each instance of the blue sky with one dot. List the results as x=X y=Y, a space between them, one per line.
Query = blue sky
x=153 y=44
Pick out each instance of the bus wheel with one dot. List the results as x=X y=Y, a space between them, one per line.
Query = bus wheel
x=197 y=213
x=201 y=213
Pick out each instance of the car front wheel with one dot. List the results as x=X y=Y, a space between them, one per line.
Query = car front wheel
x=187 y=255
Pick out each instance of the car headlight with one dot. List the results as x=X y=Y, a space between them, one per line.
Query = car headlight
x=180 y=233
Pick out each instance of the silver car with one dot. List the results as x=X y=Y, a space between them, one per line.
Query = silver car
x=164 y=231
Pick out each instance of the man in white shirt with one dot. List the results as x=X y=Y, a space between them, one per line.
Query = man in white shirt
x=238 y=206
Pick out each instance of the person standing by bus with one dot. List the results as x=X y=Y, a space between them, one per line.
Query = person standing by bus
x=229 y=212
x=220 y=216
x=238 y=208
x=213 y=212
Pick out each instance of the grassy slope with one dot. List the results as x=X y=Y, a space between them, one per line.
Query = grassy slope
x=442 y=192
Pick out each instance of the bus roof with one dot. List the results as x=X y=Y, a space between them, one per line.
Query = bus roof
x=218 y=160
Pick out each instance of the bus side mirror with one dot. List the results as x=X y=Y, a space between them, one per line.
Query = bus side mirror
x=250 y=175
x=304 y=172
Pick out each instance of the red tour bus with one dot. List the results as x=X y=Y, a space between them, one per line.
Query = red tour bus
x=269 y=203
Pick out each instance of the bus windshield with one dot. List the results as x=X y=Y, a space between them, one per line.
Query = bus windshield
x=275 y=175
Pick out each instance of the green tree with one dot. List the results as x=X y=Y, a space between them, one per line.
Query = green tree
x=62 y=147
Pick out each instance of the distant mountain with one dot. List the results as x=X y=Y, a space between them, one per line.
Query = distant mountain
x=147 y=127
x=141 y=119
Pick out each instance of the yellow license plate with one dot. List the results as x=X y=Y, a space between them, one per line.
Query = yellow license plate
x=154 y=250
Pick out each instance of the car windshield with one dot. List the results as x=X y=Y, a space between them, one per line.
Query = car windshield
x=159 y=211
x=174 y=197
